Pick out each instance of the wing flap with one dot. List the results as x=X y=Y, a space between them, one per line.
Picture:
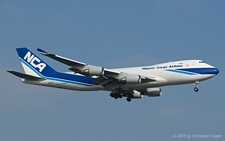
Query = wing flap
x=111 y=82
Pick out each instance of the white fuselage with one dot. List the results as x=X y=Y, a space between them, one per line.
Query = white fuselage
x=171 y=73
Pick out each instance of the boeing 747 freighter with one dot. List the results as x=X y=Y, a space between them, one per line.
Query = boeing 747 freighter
x=133 y=82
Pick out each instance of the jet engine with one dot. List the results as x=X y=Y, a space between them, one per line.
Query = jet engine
x=93 y=71
x=151 y=92
x=136 y=94
x=132 y=79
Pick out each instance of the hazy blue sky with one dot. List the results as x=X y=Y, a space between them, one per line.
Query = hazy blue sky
x=112 y=34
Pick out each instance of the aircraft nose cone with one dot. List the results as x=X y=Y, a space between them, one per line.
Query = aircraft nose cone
x=215 y=71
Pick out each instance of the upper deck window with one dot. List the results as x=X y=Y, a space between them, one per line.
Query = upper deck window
x=201 y=62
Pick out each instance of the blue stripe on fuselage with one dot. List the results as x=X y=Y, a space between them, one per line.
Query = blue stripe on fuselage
x=63 y=77
x=195 y=71
x=182 y=72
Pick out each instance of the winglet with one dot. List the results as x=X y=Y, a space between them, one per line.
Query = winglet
x=41 y=51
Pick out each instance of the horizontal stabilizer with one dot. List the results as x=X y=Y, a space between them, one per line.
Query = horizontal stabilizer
x=25 y=76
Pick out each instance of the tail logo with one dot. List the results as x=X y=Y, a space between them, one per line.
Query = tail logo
x=34 y=61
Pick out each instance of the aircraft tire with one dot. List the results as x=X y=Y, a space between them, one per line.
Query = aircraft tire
x=129 y=99
x=196 y=89
x=112 y=94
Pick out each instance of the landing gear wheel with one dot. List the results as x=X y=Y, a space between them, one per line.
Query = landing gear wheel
x=117 y=93
x=128 y=99
x=196 y=86
x=112 y=94
x=196 y=89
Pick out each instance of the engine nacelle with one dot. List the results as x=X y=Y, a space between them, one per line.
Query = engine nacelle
x=132 y=79
x=151 y=92
x=93 y=71
x=136 y=94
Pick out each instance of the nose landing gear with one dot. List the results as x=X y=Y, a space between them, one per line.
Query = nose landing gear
x=196 y=86
x=196 y=89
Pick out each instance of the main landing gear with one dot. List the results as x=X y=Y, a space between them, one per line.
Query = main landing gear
x=196 y=86
x=116 y=95
x=119 y=93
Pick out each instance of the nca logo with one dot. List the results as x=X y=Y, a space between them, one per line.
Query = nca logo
x=34 y=61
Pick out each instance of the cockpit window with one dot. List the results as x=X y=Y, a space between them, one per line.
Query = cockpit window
x=201 y=62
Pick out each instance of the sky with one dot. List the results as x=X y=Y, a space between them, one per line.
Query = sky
x=112 y=34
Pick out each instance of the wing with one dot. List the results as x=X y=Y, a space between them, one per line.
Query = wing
x=76 y=66
x=104 y=77
x=61 y=59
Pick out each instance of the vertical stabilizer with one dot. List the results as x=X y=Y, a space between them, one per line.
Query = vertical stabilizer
x=32 y=64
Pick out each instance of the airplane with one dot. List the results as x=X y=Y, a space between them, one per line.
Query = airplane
x=132 y=83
